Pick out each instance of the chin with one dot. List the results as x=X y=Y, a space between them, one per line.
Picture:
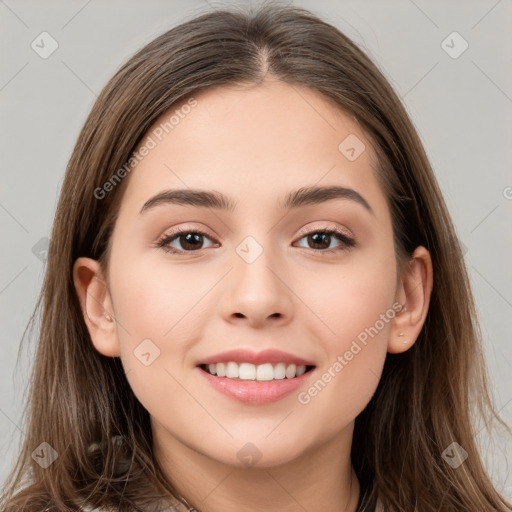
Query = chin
x=260 y=453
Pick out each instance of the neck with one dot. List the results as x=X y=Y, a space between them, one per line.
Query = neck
x=320 y=479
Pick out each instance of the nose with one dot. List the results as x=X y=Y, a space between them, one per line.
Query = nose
x=258 y=292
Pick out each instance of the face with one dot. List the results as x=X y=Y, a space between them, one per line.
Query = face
x=259 y=276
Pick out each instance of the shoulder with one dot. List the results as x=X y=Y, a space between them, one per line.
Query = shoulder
x=379 y=507
x=159 y=507
x=175 y=506
x=165 y=508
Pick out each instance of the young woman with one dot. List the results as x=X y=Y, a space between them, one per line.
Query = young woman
x=255 y=298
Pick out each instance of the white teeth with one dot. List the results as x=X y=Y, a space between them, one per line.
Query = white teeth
x=219 y=369
x=261 y=372
x=290 y=371
x=265 y=372
x=280 y=371
x=232 y=370
x=247 y=371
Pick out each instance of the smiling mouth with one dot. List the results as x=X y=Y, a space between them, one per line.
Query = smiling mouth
x=261 y=372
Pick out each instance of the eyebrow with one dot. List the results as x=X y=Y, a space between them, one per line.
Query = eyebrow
x=213 y=199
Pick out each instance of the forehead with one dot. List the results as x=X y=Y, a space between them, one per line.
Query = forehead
x=254 y=143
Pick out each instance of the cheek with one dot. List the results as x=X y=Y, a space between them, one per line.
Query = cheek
x=154 y=332
x=350 y=297
x=161 y=311
x=354 y=303
x=153 y=300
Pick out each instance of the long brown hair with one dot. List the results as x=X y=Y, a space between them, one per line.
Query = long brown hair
x=428 y=397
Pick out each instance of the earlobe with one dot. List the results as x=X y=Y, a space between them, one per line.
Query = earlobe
x=413 y=292
x=96 y=305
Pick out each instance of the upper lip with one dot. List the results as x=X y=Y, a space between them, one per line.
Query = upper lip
x=247 y=356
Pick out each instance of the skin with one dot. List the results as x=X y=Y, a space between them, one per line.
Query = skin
x=254 y=144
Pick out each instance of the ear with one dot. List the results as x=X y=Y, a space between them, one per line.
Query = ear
x=413 y=291
x=96 y=305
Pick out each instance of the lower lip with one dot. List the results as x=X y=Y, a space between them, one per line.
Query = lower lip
x=255 y=392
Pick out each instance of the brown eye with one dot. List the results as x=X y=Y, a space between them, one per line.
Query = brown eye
x=190 y=241
x=320 y=240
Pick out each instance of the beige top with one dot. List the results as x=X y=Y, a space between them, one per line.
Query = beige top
x=170 y=505
x=177 y=506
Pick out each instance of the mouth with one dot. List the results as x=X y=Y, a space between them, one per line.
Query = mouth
x=255 y=384
x=251 y=372
x=255 y=377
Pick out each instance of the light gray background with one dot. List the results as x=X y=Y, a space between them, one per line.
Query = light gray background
x=461 y=106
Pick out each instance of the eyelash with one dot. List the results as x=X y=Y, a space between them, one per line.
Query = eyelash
x=347 y=242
